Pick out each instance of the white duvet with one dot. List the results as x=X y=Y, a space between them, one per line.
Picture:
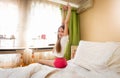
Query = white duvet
x=75 y=71
x=26 y=72
x=36 y=70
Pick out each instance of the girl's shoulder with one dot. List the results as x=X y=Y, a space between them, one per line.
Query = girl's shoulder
x=64 y=40
x=65 y=37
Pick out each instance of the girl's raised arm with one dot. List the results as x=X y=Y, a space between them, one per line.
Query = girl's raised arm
x=66 y=23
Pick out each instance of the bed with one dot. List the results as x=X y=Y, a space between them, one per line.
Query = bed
x=91 y=60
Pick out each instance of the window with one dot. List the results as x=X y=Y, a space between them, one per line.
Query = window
x=8 y=23
x=43 y=23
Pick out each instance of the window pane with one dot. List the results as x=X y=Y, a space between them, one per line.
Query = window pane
x=8 y=21
x=43 y=23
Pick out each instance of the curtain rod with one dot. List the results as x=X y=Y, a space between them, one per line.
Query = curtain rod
x=64 y=3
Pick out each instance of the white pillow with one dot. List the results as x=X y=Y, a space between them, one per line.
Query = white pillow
x=114 y=61
x=92 y=55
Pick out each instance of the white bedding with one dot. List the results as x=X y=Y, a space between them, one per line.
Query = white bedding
x=41 y=71
x=26 y=72
x=75 y=71
x=89 y=66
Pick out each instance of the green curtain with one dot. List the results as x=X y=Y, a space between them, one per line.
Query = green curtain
x=74 y=33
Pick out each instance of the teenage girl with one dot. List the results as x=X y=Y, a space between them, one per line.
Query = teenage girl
x=62 y=39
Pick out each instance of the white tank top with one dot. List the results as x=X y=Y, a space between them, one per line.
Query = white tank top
x=64 y=41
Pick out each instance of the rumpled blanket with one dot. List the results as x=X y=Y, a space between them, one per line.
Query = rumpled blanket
x=36 y=70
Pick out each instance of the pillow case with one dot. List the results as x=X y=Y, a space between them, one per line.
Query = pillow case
x=92 y=55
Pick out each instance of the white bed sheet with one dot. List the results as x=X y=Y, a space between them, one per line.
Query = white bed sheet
x=36 y=70
x=75 y=71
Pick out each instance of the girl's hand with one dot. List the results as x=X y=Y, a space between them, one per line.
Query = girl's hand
x=65 y=8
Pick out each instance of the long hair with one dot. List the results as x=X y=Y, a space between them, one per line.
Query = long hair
x=58 y=44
